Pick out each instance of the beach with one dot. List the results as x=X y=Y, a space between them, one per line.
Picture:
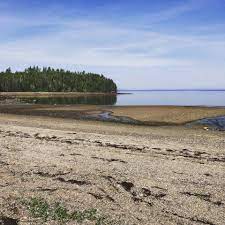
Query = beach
x=144 y=115
x=131 y=174
x=112 y=112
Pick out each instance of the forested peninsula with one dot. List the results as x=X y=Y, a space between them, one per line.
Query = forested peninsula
x=35 y=79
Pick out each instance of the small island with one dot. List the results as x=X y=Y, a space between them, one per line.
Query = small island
x=47 y=79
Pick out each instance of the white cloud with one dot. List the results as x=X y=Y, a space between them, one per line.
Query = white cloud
x=110 y=47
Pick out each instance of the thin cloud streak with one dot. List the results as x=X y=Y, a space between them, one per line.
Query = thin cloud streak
x=52 y=39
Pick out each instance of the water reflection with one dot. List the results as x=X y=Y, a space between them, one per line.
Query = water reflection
x=180 y=98
x=90 y=100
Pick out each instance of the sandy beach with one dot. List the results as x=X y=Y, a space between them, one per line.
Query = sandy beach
x=112 y=112
x=131 y=174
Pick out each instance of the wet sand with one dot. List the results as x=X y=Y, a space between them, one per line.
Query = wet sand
x=132 y=174
x=167 y=114
x=148 y=115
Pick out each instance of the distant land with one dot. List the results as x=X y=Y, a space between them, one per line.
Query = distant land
x=47 y=79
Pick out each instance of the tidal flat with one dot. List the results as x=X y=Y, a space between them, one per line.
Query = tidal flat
x=142 y=115
x=65 y=164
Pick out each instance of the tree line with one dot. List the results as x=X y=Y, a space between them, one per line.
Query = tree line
x=35 y=79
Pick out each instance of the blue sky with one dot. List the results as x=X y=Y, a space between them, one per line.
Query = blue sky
x=141 y=44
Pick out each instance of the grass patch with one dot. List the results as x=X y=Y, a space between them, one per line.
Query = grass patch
x=40 y=208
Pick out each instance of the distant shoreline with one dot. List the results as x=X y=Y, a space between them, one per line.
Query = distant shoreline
x=54 y=94
x=174 y=90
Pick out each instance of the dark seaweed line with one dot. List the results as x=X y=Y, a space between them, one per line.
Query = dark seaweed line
x=185 y=153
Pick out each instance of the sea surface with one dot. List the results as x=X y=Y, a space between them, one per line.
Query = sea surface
x=175 y=97
x=130 y=97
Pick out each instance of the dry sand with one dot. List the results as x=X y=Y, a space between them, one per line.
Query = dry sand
x=133 y=174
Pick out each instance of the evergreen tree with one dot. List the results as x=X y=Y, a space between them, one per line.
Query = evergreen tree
x=51 y=80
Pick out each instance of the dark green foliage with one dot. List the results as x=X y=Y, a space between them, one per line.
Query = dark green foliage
x=48 y=79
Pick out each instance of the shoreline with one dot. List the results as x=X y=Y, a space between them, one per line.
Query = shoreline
x=206 y=117
x=140 y=115
x=53 y=94
x=152 y=173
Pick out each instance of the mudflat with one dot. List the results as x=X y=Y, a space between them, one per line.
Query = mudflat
x=167 y=114
x=131 y=174
x=149 y=115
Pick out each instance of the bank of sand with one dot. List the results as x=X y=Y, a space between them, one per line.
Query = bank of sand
x=149 y=115
x=132 y=174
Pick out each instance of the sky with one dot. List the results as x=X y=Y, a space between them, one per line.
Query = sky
x=140 y=44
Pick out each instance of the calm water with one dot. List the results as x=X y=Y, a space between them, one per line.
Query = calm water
x=89 y=100
x=185 y=98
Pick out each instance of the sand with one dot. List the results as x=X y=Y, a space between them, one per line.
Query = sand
x=149 y=115
x=132 y=174
x=167 y=114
